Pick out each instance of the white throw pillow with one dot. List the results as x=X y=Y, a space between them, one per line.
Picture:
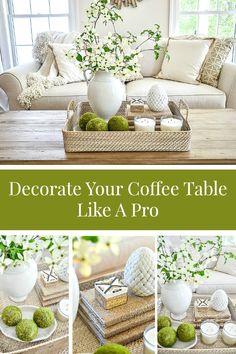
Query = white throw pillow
x=149 y=65
x=186 y=60
x=230 y=266
x=67 y=68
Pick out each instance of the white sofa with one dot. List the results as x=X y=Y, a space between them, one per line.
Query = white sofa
x=197 y=96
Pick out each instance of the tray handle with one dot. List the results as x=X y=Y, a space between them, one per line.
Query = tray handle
x=71 y=119
x=184 y=105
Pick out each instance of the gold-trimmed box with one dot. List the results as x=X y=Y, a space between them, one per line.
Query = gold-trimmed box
x=111 y=293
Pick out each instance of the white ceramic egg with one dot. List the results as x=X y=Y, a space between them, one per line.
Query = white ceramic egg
x=139 y=273
x=157 y=99
x=219 y=300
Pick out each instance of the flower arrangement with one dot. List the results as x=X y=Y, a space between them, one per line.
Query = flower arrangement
x=88 y=251
x=188 y=262
x=112 y=53
x=14 y=250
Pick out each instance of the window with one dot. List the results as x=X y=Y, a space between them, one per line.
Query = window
x=29 y=17
x=214 y=18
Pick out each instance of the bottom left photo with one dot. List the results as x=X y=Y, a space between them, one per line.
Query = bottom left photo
x=34 y=294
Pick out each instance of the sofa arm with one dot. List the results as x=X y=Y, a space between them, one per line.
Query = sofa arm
x=13 y=81
x=227 y=83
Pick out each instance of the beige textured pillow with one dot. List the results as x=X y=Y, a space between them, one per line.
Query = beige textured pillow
x=215 y=60
x=186 y=60
x=230 y=266
x=49 y=66
x=67 y=69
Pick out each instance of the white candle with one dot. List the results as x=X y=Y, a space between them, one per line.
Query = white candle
x=173 y=124
x=209 y=332
x=144 y=124
x=150 y=340
x=62 y=313
x=229 y=333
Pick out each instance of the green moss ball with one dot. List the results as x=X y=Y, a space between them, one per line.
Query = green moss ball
x=26 y=330
x=112 y=349
x=85 y=118
x=43 y=317
x=97 y=124
x=163 y=321
x=11 y=315
x=186 y=332
x=167 y=337
x=118 y=123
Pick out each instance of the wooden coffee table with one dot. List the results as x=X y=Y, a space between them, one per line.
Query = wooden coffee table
x=35 y=137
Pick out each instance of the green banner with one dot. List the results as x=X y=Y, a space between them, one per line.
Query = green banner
x=117 y=200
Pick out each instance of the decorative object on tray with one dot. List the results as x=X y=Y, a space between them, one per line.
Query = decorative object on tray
x=27 y=329
x=149 y=340
x=110 y=58
x=137 y=105
x=125 y=3
x=49 y=277
x=49 y=295
x=176 y=275
x=209 y=313
x=112 y=348
x=111 y=292
x=62 y=313
x=219 y=301
x=229 y=333
x=139 y=273
x=202 y=304
x=63 y=270
x=171 y=123
x=145 y=124
x=209 y=332
x=157 y=99
x=78 y=141
x=177 y=335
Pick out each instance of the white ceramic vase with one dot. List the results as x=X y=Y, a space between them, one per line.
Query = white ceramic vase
x=17 y=282
x=176 y=296
x=75 y=293
x=105 y=94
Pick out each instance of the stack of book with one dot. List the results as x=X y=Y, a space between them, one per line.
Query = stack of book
x=51 y=294
x=208 y=313
x=122 y=324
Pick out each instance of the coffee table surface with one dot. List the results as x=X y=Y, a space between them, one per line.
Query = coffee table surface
x=35 y=137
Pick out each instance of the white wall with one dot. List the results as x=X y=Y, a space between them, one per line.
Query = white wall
x=144 y=16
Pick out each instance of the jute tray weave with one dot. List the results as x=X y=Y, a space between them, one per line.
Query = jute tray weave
x=81 y=141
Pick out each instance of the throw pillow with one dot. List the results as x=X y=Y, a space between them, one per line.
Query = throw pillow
x=149 y=65
x=186 y=60
x=49 y=66
x=41 y=43
x=215 y=60
x=66 y=67
x=230 y=266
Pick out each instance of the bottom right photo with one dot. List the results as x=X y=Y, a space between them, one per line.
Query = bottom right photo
x=196 y=301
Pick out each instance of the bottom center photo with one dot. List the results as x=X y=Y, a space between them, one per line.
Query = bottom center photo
x=114 y=294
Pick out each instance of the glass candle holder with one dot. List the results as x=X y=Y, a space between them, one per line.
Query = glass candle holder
x=229 y=333
x=144 y=124
x=209 y=332
x=171 y=123
x=150 y=342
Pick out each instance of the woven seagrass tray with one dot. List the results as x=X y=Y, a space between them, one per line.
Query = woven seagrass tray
x=81 y=141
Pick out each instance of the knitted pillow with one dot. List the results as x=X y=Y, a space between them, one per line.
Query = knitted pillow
x=41 y=43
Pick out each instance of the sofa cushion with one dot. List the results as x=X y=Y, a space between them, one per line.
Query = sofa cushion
x=58 y=97
x=217 y=280
x=196 y=96
x=228 y=267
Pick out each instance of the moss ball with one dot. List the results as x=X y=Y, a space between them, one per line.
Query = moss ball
x=186 y=332
x=163 y=321
x=112 y=349
x=26 y=330
x=97 y=124
x=11 y=315
x=85 y=118
x=118 y=123
x=167 y=337
x=43 y=317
